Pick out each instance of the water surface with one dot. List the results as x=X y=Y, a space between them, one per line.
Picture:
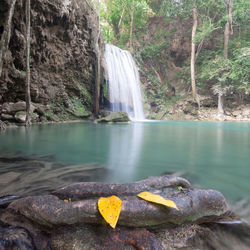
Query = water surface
x=211 y=154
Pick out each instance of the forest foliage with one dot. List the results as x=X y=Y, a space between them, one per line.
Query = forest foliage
x=124 y=24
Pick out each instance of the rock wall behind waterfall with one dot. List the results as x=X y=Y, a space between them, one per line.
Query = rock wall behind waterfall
x=62 y=59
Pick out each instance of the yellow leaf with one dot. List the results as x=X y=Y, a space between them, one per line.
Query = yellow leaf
x=69 y=200
x=110 y=208
x=155 y=198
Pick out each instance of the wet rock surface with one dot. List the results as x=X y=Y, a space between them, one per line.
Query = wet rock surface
x=15 y=238
x=194 y=205
x=99 y=237
x=72 y=220
x=114 y=117
x=83 y=190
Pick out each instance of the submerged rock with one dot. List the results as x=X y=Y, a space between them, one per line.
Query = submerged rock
x=38 y=175
x=114 y=117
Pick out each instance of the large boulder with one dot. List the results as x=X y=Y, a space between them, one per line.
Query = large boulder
x=15 y=111
x=7 y=117
x=114 y=117
x=69 y=218
x=20 y=116
x=12 y=108
x=194 y=204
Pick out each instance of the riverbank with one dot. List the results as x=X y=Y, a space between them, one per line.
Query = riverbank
x=185 y=109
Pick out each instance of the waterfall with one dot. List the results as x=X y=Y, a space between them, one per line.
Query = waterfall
x=124 y=82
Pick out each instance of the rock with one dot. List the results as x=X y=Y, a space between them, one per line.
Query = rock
x=209 y=103
x=103 y=238
x=189 y=109
x=20 y=116
x=203 y=219
x=246 y=113
x=236 y=113
x=6 y=117
x=114 y=117
x=12 y=108
x=40 y=108
x=104 y=112
x=194 y=205
x=15 y=238
x=7 y=199
x=8 y=177
x=79 y=113
x=85 y=190
x=2 y=126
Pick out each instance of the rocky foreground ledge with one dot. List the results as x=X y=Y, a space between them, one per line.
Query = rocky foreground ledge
x=49 y=222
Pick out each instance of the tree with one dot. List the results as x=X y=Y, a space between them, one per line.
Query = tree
x=131 y=29
x=183 y=9
x=192 y=62
x=126 y=17
x=96 y=5
x=27 y=92
x=228 y=28
x=98 y=61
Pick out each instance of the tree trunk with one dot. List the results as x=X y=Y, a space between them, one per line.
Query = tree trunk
x=27 y=96
x=226 y=39
x=192 y=63
x=220 y=104
x=131 y=30
x=97 y=80
x=123 y=11
x=97 y=65
x=228 y=27
x=5 y=39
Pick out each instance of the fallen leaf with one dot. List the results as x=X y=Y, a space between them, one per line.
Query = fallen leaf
x=69 y=200
x=155 y=198
x=110 y=208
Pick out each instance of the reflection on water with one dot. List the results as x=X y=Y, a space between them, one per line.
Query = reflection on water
x=125 y=151
x=212 y=155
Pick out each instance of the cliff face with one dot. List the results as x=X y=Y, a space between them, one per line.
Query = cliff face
x=62 y=59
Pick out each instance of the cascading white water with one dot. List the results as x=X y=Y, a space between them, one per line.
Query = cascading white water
x=124 y=82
